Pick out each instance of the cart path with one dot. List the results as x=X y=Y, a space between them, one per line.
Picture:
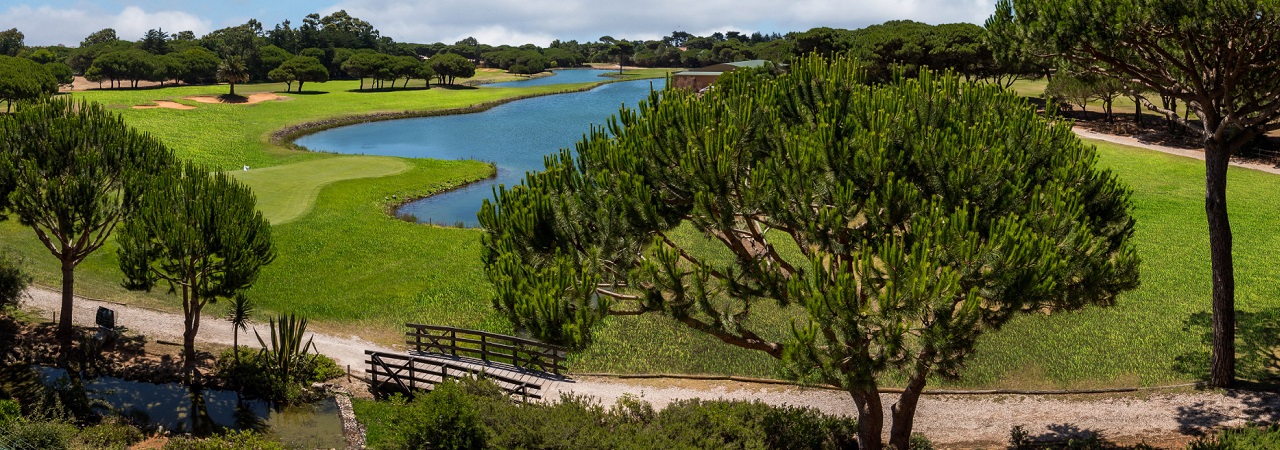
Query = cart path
x=1187 y=152
x=982 y=420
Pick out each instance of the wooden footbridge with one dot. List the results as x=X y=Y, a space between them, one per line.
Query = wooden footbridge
x=521 y=367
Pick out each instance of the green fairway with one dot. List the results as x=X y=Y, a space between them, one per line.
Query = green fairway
x=287 y=192
x=229 y=136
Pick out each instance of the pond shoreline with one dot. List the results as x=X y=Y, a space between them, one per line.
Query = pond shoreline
x=286 y=136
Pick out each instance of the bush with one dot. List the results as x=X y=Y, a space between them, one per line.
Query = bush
x=10 y=412
x=112 y=434
x=231 y=441
x=467 y=413
x=12 y=279
x=253 y=375
x=445 y=419
x=44 y=435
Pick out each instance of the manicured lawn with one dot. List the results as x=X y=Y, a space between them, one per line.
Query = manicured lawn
x=347 y=265
x=287 y=192
x=1140 y=341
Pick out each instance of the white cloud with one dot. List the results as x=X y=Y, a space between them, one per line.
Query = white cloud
x=46 y=25
x=539 y=21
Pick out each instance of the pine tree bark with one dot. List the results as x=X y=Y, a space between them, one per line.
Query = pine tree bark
x=66 y=330
x=1217 y=157
x=870 y=418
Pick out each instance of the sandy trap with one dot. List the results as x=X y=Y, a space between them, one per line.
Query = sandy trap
x=165 y=104
x=251 y=99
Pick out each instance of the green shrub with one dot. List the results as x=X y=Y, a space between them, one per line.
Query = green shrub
x=10 y=411
x=234 y=440
x=1242 y=438
x=445 y=419
x=478 y=413
x=111 y=434
x=252 y=375
x=12 y=279
x=44 y=435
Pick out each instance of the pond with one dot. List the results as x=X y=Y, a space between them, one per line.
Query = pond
x=182 y=410
x=514 y=137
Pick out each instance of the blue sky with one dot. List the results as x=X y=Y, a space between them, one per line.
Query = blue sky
x=516 y=22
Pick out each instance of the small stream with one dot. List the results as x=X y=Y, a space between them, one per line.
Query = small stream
x=200 y=412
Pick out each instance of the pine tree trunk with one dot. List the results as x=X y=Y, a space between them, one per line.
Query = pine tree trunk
x=870 y=418
x=66 y=332
x=1217 y=157
x=191 y=325
x=904 y=412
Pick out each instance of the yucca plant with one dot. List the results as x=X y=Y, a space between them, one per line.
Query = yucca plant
x=287 y=353
x=238 y=314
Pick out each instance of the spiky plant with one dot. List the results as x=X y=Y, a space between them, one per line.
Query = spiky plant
x=287 y=352
x=238 y=314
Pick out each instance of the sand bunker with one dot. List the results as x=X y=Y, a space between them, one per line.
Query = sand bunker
x=165 y=104
x=251 y=99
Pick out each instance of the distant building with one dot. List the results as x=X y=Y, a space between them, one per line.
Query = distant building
x=699 y=79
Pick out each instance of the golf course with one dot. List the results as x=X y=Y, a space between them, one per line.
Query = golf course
x=349 y=265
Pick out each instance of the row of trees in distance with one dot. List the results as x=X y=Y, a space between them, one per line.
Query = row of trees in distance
x=334 y=39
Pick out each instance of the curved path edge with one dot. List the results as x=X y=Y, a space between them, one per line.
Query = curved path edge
x=1187 y=152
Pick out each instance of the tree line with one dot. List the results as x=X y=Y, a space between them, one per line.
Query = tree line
x=333 y=40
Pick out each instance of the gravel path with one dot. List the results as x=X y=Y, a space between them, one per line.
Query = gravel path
x=977 y=420
x=1190 y=153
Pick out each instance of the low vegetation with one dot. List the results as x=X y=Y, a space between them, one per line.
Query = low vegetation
x=474 y=415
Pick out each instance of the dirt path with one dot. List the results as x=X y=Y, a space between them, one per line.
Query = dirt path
x=978 y=420
x=1190 y=153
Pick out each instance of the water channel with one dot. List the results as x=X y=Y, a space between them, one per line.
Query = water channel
x=514 y=136
x=181 y=410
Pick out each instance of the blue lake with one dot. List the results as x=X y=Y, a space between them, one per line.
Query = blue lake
x=514 y=136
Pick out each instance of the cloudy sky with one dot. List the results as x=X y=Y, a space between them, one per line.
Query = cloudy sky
x=516 y=22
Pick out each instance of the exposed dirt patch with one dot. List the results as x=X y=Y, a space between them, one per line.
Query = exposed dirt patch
x=164 y=104
x=238 y=100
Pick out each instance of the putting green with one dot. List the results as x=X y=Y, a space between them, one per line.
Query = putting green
x=288 y=191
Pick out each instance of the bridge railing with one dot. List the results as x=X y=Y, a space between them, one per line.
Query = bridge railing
x=391 y=372
x=490 y=347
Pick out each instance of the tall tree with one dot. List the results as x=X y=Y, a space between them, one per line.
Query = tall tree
x=22 y=79
x=103 y=36
x=233 y=70
x=1219 y=57
x=200 y=233
x=76 y=171
x=892 y=223
x=449 y=66
x=11 y=42
x=156 y=42
x=303 y=69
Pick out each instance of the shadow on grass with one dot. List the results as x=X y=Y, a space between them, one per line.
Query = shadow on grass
x=304 y=92
x=1257 y=347
x=392 y=89
x=1065 y=436
x=229 y=98
x=1257 y=367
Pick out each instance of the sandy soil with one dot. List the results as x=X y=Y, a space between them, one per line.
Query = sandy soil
x=164 y=104
x=80 y=84
x=248 y=100
x=1165 y=419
